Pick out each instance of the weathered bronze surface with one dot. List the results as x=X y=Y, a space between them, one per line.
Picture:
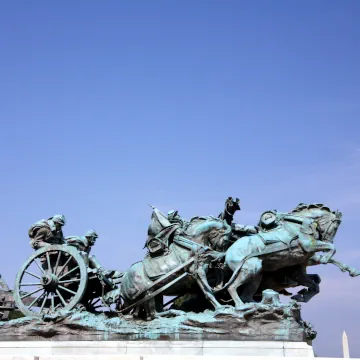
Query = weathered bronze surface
x=224 y=279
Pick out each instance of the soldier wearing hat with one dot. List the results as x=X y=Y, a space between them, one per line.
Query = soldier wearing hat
x=174 y=218
x=45 y=232
x=84 y=245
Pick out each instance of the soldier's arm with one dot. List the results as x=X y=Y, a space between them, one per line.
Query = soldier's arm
x=72 y=241
x=247 y=229
x=94 y=263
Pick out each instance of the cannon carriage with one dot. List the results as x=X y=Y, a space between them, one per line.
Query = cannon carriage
x=57 y=277
x=6 y=300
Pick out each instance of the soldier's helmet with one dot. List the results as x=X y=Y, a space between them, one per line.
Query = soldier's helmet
x=59 y=219
x=91 y=234
x=268 y=219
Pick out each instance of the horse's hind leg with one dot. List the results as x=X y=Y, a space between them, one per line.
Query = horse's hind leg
x=251 y=288
x=311 y=281
x=249 y=271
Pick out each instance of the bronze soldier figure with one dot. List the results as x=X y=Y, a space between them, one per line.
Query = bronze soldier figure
x=45 y=232
x=84 y=245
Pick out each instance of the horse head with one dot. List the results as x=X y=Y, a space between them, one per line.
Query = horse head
x=327 y=221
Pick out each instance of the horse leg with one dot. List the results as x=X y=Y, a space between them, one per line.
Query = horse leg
x=249 y=271
x=219 y=278
x=343 y=267
x=328 y=248
x=315 y=260
x=136 y=313
x=159 y=302
x=150 y=309
x=251 y=288
x=201 y=280
x=311 y=281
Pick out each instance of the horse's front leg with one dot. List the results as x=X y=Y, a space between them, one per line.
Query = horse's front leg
x=343 y=267
x=328 y=248
x=315 y=260
x=201 y=279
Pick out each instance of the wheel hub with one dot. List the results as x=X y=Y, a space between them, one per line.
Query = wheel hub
x=49 y=281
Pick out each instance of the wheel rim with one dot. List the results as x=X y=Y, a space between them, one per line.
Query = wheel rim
x=4 y=314
x=54 y=278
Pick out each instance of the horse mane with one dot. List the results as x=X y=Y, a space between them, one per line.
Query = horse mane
x=315 y=206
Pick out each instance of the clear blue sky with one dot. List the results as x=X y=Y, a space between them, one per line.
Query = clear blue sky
x=106 y=107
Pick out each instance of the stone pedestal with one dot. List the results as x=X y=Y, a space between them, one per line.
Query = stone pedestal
x=168 y=349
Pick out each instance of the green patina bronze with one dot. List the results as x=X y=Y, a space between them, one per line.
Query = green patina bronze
x=205 y=263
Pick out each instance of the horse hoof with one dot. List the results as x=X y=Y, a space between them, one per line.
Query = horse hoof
x=223 y=308
x=298 y=298
x=246 y=306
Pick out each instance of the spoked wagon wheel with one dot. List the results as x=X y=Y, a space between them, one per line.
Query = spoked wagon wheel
x=55 y=276
x=4 y=314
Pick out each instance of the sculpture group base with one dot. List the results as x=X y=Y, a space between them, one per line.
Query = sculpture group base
x=178 y=349
x=254 y=323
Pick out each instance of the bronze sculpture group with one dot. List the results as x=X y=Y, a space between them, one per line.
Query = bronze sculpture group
x=222 y=263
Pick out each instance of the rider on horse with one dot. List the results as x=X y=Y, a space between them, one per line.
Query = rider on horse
x=162 y=229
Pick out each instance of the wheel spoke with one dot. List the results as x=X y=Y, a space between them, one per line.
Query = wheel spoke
x=43 y=303
x=69 y=272
x=57 y=262
x=69 y=281
x=68 y=290
x=41 y=269
x=30 y=284
x=48 y=262
x=32 y=274
x=63 y=268
x=28 y=294
x=32 y=304
x=61 y=298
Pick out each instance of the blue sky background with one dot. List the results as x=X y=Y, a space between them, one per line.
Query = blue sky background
x=106 y=107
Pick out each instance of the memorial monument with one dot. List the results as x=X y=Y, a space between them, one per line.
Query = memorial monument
x=204 y=280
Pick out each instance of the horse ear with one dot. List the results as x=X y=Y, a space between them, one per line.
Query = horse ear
x=229 y=198
x=338 y=214
x=237 y=200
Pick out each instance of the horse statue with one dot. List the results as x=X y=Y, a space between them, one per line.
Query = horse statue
x=173 y=242
x=285 y=245
x=296 y=275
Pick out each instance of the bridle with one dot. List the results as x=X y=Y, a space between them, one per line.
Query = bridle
x=326 y=235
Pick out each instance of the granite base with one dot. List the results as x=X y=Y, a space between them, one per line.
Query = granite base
x=181 y=349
